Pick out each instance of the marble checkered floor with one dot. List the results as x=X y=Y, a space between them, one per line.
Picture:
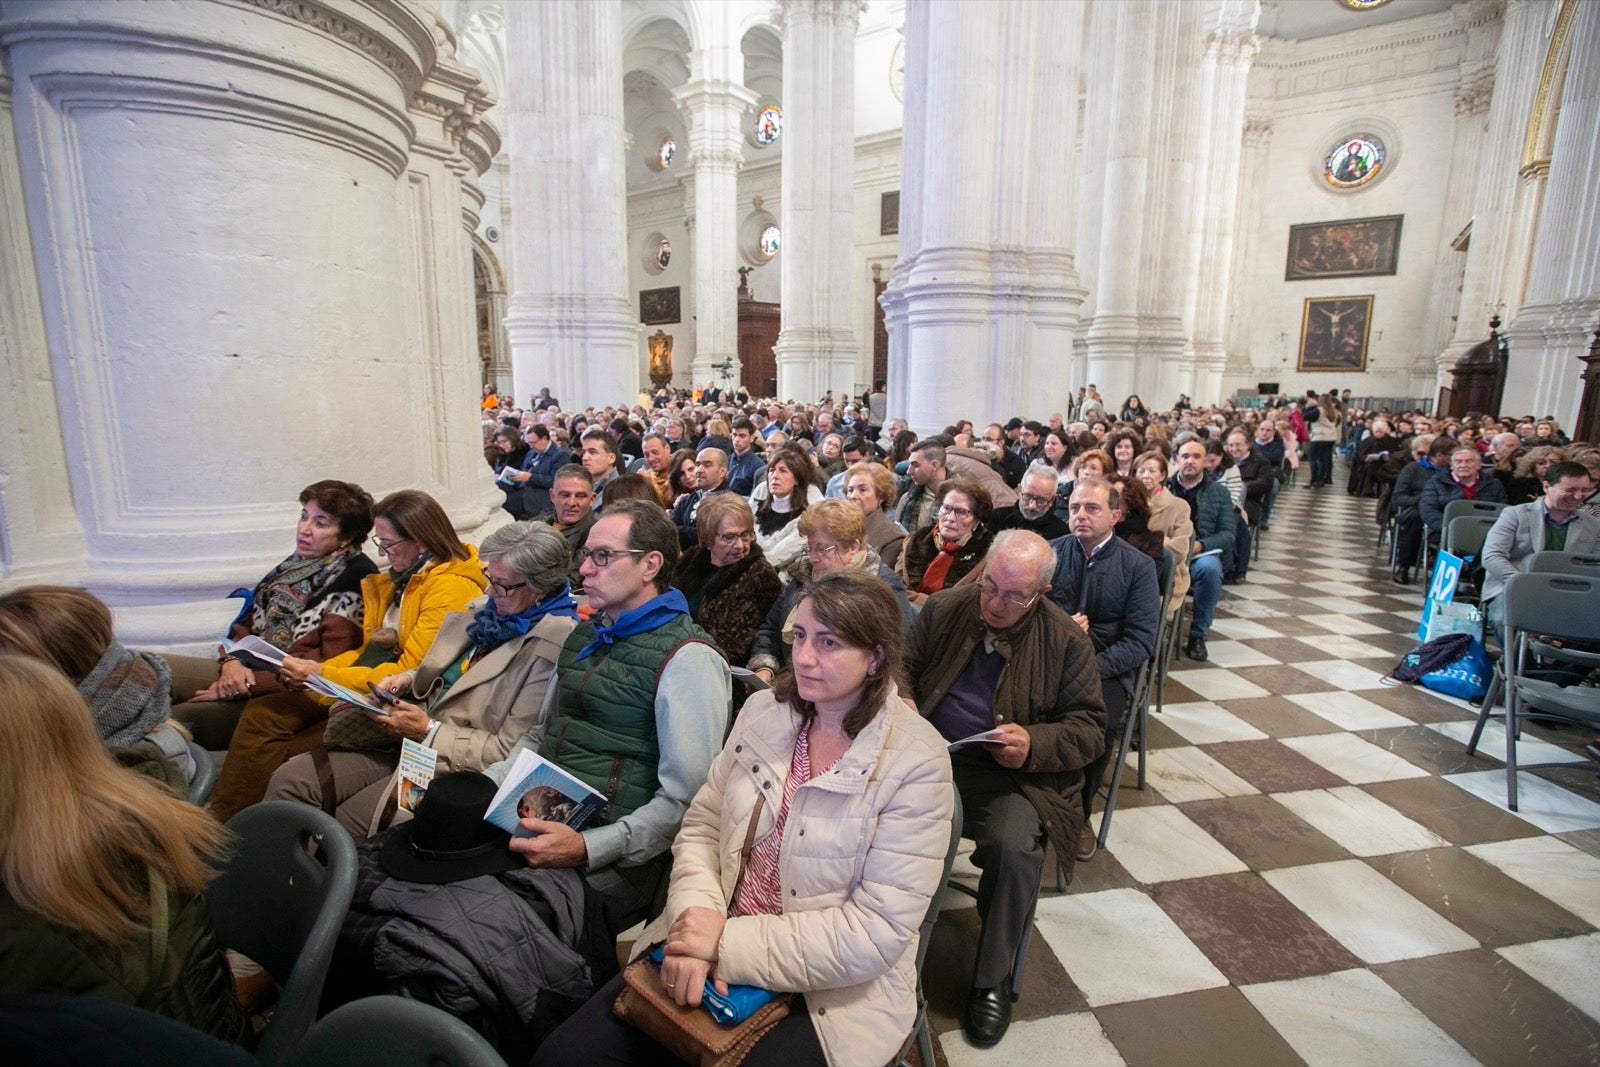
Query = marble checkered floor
x=1317 y=872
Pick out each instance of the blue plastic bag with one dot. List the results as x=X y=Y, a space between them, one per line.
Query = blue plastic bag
x=1467 y=677
x=741 y=1002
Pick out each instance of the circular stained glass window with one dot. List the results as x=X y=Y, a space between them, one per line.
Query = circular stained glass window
x=669 y=148
x=664 y=253
x=769 y=123
x=771 y=236
x=1354 y=161
x=1363 y=5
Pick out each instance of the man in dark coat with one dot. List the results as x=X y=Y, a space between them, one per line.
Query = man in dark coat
x=998 y=657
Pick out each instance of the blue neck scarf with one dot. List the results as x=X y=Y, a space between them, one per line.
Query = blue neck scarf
x=489 y=629
x=651 y=615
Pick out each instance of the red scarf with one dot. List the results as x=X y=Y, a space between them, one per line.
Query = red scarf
x=939 y=566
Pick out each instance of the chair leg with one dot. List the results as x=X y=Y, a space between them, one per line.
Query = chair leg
x=1511 y=739
x=1119 y=764
x=1144 y=720
x=924 y=1039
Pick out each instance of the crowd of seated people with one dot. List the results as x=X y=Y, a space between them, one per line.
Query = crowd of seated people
x=882 y=594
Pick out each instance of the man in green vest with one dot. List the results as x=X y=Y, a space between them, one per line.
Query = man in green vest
x=640 y=710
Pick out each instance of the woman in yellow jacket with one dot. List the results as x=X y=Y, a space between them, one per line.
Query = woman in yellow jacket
x=431 y=573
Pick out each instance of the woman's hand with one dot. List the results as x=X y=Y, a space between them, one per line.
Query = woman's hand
x=685 y=978
x=234 y=683
x=396 y=683
x=404 y=720
x=295 y=670
x=696 y=932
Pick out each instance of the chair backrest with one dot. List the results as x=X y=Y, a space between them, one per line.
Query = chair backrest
x=1563 y=563
x=1554 y=605
x=205 y=775
x=1464 y=535
x=280 y=900
x=391 y=1031
x=1457 y=508
x=925 y=932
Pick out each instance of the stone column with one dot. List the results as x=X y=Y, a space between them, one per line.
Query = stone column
x=1230 y=47
x=984 y=297
x=1254 y=141
x=816 y=349
x=227 y=268
x=715 y=103
x=1488 y=286
x=1114 y=335
x=1551 y=330
x=571 y=324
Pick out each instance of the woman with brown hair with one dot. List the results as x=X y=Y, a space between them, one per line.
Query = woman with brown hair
x=127 y=692
x=946 y=553
x=870 y=487
x=431 y=573
x=789 y=489
x=726 y=578
x=838 y=880
x=101 y=869
x=308 y=606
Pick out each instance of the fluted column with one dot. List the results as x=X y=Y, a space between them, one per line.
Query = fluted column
x=984 y=296
x=816 y=349
x=1254 y=141
x=1113 y=337
x=228 y=269
x=1552 y=328
x=714 y=103
x=570 y=323
x=1230 y=47
x=1488 y=286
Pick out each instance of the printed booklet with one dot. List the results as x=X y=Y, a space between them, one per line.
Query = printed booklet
x=988 y=737
x=538 y=789
x=418 y=761
x=254 y=653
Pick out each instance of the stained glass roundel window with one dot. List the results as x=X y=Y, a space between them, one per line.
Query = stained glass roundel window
x=771 y=237
x=769 y=123
x=664 y=253
x=1354 y=161
x=669 y=148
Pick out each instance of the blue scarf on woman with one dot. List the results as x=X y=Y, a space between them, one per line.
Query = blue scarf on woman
x=489 y=629
x=651 y=615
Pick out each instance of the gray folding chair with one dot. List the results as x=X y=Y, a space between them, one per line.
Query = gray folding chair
x=921 y=1033
x=280 y=900
x=1488 y=509
x=387 y=1031
x=1544 y=563
x=205 y=775
x=1541 y=609
x=1464 y=535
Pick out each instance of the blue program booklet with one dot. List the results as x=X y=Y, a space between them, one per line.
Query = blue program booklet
x=538 y=789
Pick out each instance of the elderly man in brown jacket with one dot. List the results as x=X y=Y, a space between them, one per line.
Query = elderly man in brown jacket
x=998 y=657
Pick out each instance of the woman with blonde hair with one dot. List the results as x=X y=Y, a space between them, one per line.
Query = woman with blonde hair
x=101 y=869
x=127 y=692
x=870 y=487
x=431 y=574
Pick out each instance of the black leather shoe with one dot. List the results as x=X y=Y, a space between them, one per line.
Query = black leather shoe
x=988 y=1016
x=1196 y=649
x=1402 y=575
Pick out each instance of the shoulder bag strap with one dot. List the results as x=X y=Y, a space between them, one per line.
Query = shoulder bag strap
x=158 y=923
x=749 y=841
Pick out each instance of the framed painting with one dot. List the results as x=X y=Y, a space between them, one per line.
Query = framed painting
x=1350 y=248
x=889 y=213
x=1334 y=332
x=660 y=307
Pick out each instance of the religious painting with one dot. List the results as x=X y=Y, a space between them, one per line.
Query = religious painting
x=1333 y=333
x=1350 y=248
x=659 y=307
x=889 y=214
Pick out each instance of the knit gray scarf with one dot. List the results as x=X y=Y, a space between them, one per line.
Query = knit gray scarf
x=129 y=694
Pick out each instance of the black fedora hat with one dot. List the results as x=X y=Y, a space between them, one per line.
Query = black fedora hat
x=447 y=840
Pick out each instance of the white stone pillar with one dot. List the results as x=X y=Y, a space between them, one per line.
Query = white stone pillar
x=227 y=271
x=1114 y=335
x=1254 y=142
x=1553 y=327
x=816 y=349
x=1230 y=46
x=984 y=297
x=714 y=103
x=571 y=324
x=1488 y=286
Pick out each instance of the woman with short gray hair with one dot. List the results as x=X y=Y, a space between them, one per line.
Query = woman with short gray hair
x=479 y=687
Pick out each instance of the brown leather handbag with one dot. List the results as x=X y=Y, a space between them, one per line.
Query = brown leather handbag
x=692 y=1034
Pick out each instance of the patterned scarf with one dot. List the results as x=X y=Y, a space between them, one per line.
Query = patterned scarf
x=651 y=615
x=289 y=592
x=128 y=693
x=403 y=578
x=489 y=629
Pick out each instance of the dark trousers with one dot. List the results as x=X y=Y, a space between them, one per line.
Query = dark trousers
x=1010 y=839
x=1116 y=699
x=594 y=1037
x=1321 y=462
x=1408 y=534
